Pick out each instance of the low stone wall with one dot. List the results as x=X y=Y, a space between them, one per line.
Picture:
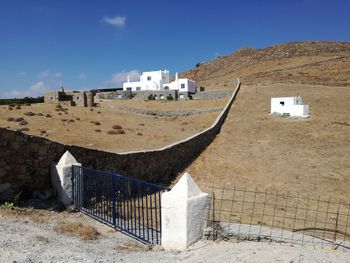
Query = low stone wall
x=210 y=95
x=178 y=113
x=25 y=159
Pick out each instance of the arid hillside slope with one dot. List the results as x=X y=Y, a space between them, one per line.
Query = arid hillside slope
x=256 y=150
x=319 y=63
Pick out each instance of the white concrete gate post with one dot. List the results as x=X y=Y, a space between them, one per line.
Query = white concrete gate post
x=61 y=178
x=184 y=214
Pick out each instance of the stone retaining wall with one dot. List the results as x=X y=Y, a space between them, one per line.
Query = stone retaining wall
x=25 y=159
x=178 y=113
x=210 y=95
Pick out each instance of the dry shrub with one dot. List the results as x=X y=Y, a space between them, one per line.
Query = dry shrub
x=22 y=123
x=10 y=108
x=23 y=129
x=184 y=123
x=29 y=113
x=97 y=130
x=59 y=113
x=64 y=120
x=117 y=127
x=19 y=119
x=141 y=124
x=43 y=131
x=58 y=106
x=132 y=246
x=28 y=104
x=139 y=134
x=116 y=132
x=71 y=120
x=10 y=119
x=48 y=116
x=77 y=119
x=91 y=109
x=99 y=112
x=120 y=132
x=85 y=232
x=39 y=114
x=112 y=132
x=18 y=107
x=97 y=123
x=42 y=239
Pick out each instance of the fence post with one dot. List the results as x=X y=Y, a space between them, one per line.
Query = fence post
x=184 y=214
x=61 y=177
x=114 y=200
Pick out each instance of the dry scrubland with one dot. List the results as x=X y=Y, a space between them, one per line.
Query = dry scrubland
x=107 y=128
x=255 y=150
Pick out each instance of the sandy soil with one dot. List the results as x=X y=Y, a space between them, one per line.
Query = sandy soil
x=141 y=131
x=28 y=239
x=256 y=150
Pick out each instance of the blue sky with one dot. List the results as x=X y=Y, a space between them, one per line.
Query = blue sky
x=89 y=44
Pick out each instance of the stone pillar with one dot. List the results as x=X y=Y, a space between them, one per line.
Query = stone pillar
x=61 y=178
x=184 y=214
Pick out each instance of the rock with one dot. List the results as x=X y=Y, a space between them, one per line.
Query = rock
x=15 y=145
x=42 y=150
x=4 y=187
x=44 y=194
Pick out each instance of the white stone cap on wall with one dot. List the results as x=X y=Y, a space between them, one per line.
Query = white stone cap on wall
x=67 y=159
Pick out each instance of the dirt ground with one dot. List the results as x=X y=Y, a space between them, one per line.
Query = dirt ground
x=83 y=127
x=34 y=238
x=256 y=150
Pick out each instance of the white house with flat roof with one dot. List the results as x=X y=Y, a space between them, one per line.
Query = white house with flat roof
x=292 y=106
x=160 y=80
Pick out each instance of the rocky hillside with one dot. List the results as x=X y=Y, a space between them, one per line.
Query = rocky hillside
x=319 y=63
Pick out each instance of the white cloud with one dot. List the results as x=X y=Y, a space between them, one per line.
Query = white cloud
x=35 y=90
x=44 y=74
x=57 y=74
x=119 y=77
x=118 y=21
x=82 y=76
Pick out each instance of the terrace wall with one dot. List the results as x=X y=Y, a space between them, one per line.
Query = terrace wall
x=25 y=159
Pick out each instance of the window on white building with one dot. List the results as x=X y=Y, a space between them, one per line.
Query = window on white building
x=138 y=88
x=129 y=88
x=166 y=87
x=182 y=86
x=282 y=103
x=149 y=78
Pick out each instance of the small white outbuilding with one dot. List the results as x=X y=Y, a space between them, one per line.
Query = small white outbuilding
x=292 y=106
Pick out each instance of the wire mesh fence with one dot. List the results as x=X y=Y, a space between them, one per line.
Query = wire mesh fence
x=284 y=217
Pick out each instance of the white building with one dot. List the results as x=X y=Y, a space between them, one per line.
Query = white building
x=292 y=106
x=160 y=80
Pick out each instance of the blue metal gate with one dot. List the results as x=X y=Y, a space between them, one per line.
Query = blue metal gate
x=132 y=206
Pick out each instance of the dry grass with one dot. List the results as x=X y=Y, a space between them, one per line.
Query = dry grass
x=85 y=232
x=117 y=127
x=130 y=122
x=132 y=246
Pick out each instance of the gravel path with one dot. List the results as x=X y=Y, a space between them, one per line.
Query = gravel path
x=22 y=240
